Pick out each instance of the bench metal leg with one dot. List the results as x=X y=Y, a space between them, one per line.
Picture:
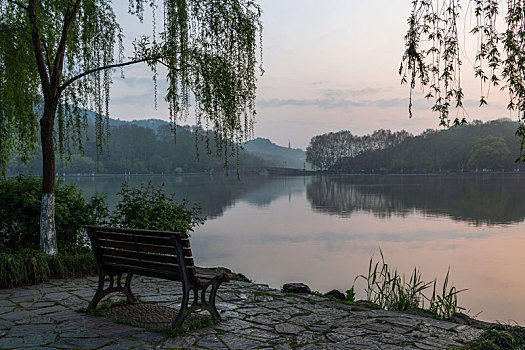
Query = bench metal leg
x=197 y=304
x=101 y=292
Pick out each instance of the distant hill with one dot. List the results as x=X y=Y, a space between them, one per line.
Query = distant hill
x=147 y=146
x=273 y=154
x=278 y=155
x=152 y=124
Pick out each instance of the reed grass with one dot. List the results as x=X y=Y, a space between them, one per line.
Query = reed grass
x=446 y=304
x=393 y=291
x=30 y=266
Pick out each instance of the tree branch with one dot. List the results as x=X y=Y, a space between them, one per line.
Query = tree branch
x=37 y=46
x=56 y=74
x=117 y=65
x=19 y=4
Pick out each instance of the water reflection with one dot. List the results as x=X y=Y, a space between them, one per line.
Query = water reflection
x=491 y=200
x=215 y=194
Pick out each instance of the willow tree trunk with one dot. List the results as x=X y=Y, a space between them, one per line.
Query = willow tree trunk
x=48 y=238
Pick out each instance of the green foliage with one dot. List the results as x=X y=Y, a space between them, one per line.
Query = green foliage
x=500 y=337
x=350 y=294
x=30 y=266
x=434 y=57
x=20 y=213
x=487 y=152
x=491 y=145
x=148 y=207
x=391 y=291
x=327 y=149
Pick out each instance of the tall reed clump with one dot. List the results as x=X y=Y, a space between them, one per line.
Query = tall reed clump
x=392 y=291
x=30 y=266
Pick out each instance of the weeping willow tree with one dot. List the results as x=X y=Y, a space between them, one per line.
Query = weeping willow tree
x=433 y=54
x=57 y=58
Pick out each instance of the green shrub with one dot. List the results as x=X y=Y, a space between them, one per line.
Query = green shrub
x=148 y=207
x=499 y=337
x=30 y=266
x=20 y=213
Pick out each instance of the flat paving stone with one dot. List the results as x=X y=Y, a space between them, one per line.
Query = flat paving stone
x=211 y=342
x=81 y=343
x=287 y=328
x=236 y=342
x=254 y=317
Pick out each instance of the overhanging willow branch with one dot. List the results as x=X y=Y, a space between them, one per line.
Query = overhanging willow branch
x=116 y=65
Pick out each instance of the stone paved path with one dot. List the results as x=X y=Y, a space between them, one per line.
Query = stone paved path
x=254 y=317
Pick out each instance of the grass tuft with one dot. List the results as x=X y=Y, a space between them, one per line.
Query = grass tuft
x=500 y=337
x=29 y=266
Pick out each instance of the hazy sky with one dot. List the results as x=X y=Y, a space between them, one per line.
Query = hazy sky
x=330 y=65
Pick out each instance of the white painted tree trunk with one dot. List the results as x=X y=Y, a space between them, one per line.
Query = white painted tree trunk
x=48 y=237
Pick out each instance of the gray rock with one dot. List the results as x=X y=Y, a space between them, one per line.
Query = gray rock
x=461 y=318
x=335 y=294
x=296 y=287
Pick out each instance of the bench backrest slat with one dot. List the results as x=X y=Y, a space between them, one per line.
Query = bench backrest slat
x=119 y=236
x=174 y=269
x=141 y=251
x=168 y=259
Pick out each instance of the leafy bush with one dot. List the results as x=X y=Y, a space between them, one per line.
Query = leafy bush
x=20 y=213
x=148 y=207
x=30 y=266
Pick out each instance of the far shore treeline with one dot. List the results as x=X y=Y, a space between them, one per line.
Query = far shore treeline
x=482 y=147
x=141 y=148
x=149 y=147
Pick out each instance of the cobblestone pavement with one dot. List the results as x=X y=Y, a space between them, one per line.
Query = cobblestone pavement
x=254 y=317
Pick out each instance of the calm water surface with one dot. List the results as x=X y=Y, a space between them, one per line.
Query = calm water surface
x=323 y=230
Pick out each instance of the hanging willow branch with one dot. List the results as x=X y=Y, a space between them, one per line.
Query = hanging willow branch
x=432 y=55
x=209 y=48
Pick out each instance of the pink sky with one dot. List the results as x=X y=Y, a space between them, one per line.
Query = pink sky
x=330 y=65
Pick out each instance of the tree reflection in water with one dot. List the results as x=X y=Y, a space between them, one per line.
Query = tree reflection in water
x=495 y=199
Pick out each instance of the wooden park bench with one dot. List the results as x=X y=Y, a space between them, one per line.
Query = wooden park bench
x=160 y=254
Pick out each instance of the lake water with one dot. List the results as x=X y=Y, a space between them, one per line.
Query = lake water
x=323 y=230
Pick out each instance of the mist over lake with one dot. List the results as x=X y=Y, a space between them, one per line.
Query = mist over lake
x=322 y=230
